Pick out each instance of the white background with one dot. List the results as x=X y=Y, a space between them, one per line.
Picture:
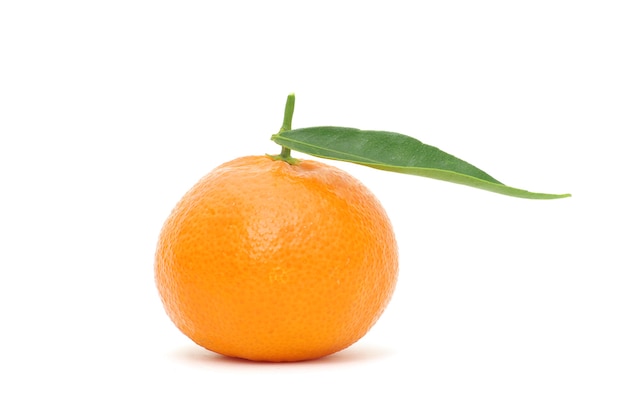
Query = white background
x=505 y=308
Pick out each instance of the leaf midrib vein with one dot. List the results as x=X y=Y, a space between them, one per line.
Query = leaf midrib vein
x=354 y=157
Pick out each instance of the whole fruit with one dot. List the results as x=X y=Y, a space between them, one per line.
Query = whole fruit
x=274 y=261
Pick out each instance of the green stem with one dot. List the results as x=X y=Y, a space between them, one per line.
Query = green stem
x=285 y=153
x=289 y=107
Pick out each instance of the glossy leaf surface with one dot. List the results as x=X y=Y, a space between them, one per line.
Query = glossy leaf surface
x=396 y=153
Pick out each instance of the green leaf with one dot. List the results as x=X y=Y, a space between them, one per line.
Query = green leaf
x=396 y=153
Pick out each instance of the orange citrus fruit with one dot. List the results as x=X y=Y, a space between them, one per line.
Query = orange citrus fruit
x=271 y=261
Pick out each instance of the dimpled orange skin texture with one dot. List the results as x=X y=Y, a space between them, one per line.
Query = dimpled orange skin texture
x=269 y=261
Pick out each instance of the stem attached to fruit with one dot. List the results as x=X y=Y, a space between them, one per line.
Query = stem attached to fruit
x=285 y=153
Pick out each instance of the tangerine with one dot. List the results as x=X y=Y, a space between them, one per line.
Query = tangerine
x=272 y=261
